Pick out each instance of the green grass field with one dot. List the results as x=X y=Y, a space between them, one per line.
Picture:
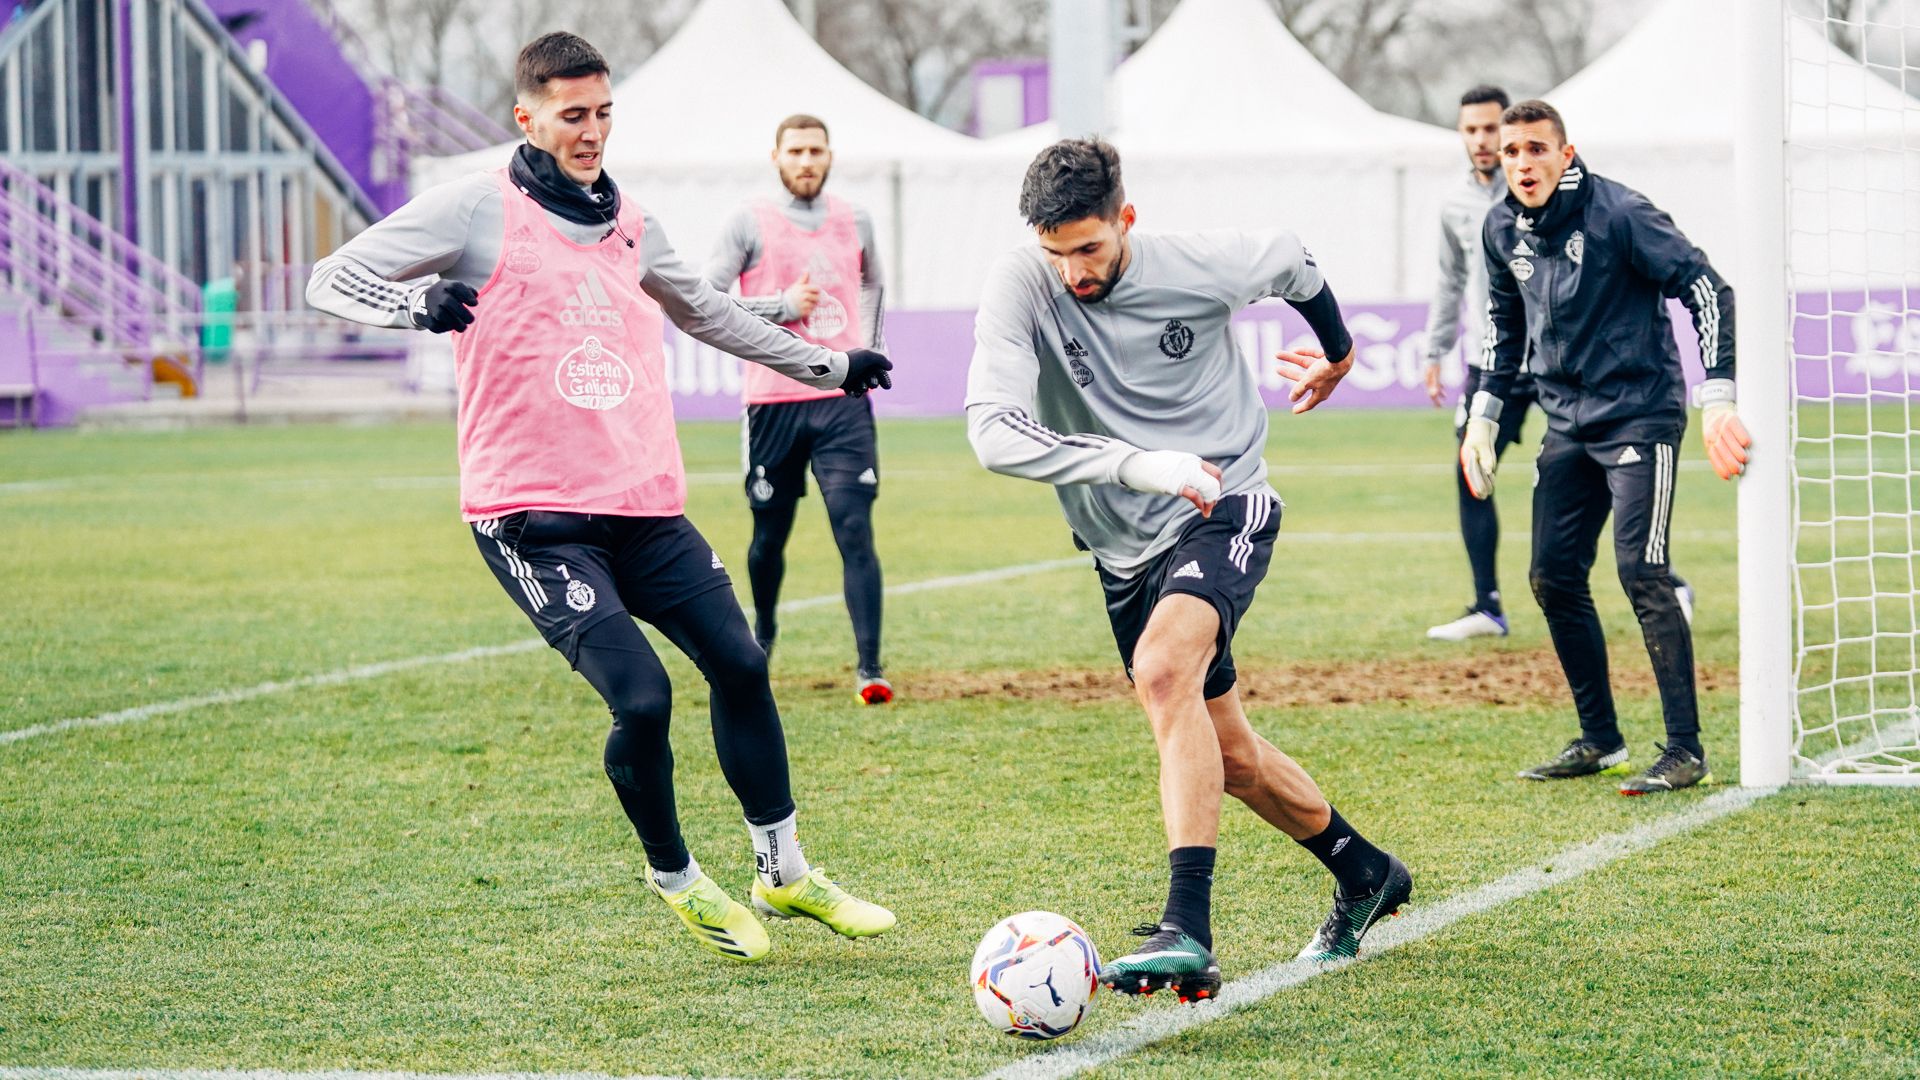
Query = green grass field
x=426 y=870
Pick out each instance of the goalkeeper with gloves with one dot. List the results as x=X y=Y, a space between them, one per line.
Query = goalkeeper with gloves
x=1104 y=364
x=1579 y=270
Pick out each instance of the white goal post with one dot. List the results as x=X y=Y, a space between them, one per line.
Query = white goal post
x=1827 y=189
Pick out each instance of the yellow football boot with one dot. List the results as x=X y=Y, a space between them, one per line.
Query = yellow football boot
x=815 y=897
x=716 y=920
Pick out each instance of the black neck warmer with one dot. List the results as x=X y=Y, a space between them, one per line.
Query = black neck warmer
x=535 y=172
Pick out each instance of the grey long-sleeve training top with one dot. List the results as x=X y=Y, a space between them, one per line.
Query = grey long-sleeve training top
x=1062 y=391
x=1463 y=269
x=455 y=230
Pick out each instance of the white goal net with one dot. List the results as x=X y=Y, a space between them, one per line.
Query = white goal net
x=1852 y=245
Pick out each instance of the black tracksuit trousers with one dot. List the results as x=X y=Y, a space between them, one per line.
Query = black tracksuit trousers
x=1627 y=473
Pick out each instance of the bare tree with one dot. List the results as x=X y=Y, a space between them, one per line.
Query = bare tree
x=468 y=46
x=919 y=52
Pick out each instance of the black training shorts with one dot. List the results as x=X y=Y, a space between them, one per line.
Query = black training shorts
x=1220 y=559
x=569 y=571
x=834 y=434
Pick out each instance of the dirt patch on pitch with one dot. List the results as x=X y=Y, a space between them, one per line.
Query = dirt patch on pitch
x=1490 y=678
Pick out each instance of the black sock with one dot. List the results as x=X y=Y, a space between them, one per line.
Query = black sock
x=1480 y=528
x=1357 y=865
x=1190 y=892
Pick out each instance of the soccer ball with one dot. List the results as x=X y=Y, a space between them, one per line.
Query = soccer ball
x=1034 y=975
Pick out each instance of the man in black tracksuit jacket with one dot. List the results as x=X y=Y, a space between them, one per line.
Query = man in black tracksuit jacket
x=1579 y=269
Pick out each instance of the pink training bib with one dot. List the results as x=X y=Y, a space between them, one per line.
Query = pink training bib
x=830 y=256
x=563 y=390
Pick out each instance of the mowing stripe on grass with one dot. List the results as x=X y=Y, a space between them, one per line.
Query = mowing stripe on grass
x=362 y=672
x=56 y=1073
x=1420 y=922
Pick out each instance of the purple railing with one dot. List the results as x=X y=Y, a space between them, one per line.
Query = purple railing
x=434 y=123
x=175 y=289
x=91 y=296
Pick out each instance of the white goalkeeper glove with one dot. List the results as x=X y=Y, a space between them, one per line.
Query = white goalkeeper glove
x=1478 y=460
x=1172 y=472
x=1726 y=437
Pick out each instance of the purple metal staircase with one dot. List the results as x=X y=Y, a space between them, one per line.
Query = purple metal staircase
x=90 y=316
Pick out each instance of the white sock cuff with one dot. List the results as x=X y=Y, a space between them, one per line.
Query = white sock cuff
x=776 y=851
x=675 y=880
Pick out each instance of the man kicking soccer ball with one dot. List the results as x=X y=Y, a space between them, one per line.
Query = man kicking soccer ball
x=555 y=288
x=1104 y=364
x=1579 y=269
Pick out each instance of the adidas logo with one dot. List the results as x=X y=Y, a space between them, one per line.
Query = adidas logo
x=1338 y=844
x=867 y=477
x=1191 y=570
x=1629 y=456
x=717 y=564
x=1521 y=248
x=590 y=305
x=1075 y=349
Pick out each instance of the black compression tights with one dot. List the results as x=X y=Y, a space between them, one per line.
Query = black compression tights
x=615 y=657
x=850 y=512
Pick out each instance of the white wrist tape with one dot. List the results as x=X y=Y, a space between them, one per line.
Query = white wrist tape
x=1486 y=406
x=1715 y=392
x=1168 y=472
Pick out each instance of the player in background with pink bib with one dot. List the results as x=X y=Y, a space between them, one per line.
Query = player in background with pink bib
x=809 y=263
x=557 y=291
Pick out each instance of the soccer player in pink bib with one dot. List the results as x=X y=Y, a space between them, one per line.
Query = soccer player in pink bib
x=557 y=291
x=809 y=262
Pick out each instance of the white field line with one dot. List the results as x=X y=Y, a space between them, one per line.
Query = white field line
x=1420 y=922
x=705 y=478
x=26 y=487
x=1072 y=1058
x=362 y=672
x=1453 y=536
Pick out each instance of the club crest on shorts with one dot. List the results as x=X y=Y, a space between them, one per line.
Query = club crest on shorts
x=1176 y=340
x=828 y=319
x=579 y=595
x=761 y=490
x=591 y=376
x=1577 y=247
x=1522 y=268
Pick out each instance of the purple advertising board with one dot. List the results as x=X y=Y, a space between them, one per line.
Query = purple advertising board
x=1872 y=340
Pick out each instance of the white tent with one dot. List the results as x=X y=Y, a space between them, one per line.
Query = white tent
x=1657 y=111
x=693 y=127
x=1674 y=78
x=716 y=90
x=1224 y=120
x=1226 y=74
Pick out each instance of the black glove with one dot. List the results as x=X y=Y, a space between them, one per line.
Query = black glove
x=867 y=370
x=447 y=306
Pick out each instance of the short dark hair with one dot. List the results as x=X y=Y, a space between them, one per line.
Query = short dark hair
x=1533 y=111
x=799 y=121
x=1071 y=180
x=1484 y=93
x=558 y=55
